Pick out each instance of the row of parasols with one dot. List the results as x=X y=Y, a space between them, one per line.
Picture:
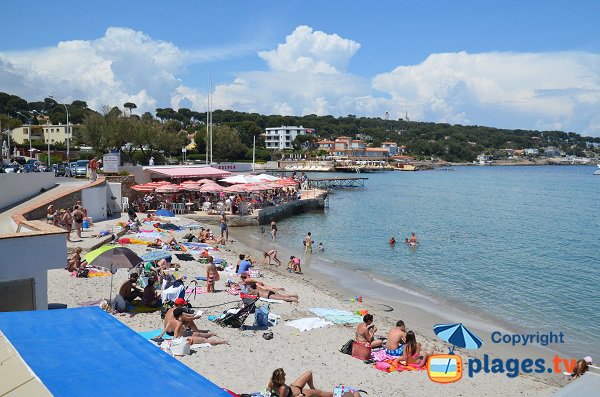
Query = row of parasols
x=240 y=184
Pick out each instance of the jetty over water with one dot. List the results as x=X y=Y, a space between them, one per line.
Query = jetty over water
x=336 y=183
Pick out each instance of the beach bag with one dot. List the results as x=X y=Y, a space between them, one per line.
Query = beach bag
x=347 y=348
x=360 y=350
x=180 y=347
x=165 y=308
x=261 y=316
x=83 y=273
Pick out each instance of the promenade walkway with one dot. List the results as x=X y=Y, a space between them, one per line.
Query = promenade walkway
x=63 y=186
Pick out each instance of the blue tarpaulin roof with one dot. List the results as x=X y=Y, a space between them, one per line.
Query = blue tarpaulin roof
x=87 y=352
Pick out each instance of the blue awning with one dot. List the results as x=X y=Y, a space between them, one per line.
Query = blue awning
x=87 y=352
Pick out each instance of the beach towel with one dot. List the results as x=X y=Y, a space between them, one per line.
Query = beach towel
x=185 y=257
x=337 y=316
x=392 y=366
x=271 y=300
x=153 y=334
x=142 y=309
x=197 y=290
x=306 y=324
x=172 y=293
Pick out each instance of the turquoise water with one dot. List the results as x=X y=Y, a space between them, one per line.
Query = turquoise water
x=516 y=243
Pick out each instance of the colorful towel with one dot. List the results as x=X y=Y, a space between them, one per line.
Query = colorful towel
x=337 y=316
x=141 y=309
x=392 y=366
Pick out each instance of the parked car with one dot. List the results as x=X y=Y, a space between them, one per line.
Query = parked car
x=77 y=168
x=59 y=169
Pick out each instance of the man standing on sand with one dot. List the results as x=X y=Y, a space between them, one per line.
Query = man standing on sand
x=308 y=242
x=396 y=339
x=223 y=225
x=93 y=169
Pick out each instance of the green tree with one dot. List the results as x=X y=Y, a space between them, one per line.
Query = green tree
x=130 y=106
x=227 y=145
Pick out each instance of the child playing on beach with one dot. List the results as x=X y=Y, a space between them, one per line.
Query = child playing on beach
x=320 y=248
x=212 y=275
x=294 y=265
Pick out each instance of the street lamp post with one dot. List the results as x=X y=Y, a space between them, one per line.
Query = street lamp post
x=29 y=132
x=47 y=138
x=67 y=110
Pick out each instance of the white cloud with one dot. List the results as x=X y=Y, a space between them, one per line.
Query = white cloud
x=307 y=50
x=514 y=90
x=307 y=73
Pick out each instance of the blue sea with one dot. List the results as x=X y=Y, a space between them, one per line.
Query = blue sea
x=520 y=244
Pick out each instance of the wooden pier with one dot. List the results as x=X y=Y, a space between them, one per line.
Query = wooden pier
x=336 y=183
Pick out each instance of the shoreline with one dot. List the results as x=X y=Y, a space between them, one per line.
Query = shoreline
x=420 y=312
x=295 y=351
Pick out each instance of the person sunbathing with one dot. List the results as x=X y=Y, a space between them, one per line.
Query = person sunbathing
x=213 y=241
x=187 y=318
x=365 y=332
x=412 y=353
x=74 y=263
x=395 y=340
x=176 y=328
x=128 y=292
x=150 y=297
x=247 y=280
x=277 y=386
x=255 y=289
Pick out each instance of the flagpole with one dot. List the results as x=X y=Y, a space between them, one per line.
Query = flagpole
x=207 y=111
x=253 y=151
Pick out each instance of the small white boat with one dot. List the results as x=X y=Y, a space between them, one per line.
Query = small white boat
x=597 y=171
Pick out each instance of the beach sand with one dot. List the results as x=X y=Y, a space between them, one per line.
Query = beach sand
x=246 y=364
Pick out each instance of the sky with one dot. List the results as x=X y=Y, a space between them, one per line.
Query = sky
x=510 y=64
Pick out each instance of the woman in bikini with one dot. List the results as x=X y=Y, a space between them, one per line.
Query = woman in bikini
x=412 y=352
x=212 y=275
x=278 y=388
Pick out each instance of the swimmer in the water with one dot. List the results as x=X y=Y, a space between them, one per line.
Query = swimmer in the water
x=393 y=241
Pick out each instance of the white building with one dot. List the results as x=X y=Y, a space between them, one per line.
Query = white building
x=280 y=138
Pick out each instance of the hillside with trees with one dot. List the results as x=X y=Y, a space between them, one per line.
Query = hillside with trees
x=169 y=130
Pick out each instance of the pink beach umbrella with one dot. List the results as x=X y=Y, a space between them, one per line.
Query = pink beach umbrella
x=211 y=188
x=190 y=187
x=287 y=182
x=168 y=189
x=239 y=188
x=142 y=188
x=203 y=181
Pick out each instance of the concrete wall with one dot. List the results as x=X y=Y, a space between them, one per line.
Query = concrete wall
x=288 y=209
x=20 y=261
x=94 y=199
x=138 y=172
x=18 y=187
x=113 y=190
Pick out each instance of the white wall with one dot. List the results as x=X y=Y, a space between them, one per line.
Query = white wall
x=20 y=261
x=18 y=187
x=94 y=199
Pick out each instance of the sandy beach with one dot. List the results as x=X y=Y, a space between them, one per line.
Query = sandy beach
x=246 y=364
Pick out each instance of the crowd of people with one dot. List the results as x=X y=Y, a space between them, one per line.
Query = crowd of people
x=221 y=201
x=69 y=218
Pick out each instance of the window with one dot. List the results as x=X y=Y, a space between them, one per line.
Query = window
x=17 y=295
